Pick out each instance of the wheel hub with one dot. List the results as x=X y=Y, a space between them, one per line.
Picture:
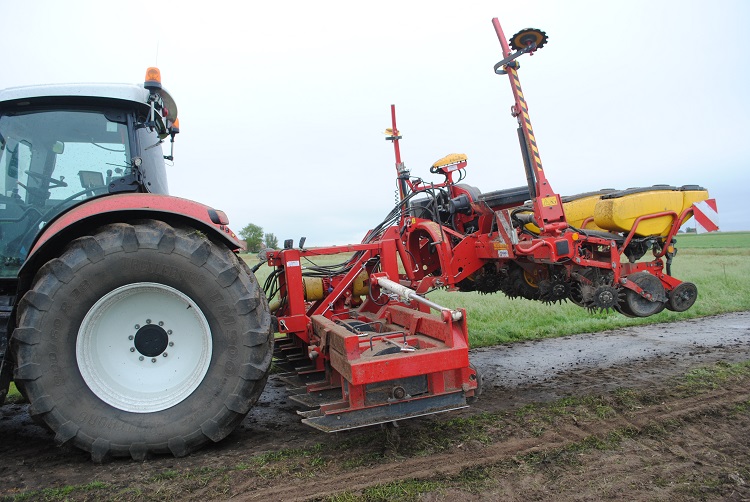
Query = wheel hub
x=122 y=354
x=151 y=340
x=604 y=298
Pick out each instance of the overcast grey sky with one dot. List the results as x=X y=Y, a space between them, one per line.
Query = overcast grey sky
x=282 y=105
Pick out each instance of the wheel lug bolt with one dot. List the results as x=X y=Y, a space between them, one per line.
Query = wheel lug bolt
x=137 y=326
x=140 y=358
x=153 y=359
x=131 y=337
x=132 y=349
x=169 y=331
x=171 y=344
x=164 y=354
x=161 y=323
x=148 y=321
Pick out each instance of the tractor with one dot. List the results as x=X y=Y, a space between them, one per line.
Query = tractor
x=132 y=325
x=134 y=328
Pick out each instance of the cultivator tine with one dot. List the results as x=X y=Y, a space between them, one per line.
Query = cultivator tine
x=292 y=379
x=286 y=347
x=290 y=352
x=281 y=343
x=293 y=365
x=302 y=378
x=332 y=421
x=306 y=414
x=311 y=375
x=317 y=399
x=293 y=391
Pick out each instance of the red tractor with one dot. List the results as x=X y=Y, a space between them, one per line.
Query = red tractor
x=133 y=327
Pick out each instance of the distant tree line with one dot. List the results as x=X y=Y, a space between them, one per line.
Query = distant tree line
x=256 y=239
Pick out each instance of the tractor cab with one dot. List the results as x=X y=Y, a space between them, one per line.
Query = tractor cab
x=61 y=145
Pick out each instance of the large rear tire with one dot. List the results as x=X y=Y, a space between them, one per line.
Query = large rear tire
x=142 y=339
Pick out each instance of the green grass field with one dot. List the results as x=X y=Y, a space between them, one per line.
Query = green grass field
x=718 y=263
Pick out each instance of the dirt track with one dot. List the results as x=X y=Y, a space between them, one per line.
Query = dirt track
x=667 y=444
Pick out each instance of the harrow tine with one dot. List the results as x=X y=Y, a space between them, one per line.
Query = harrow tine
x=293 y=365
x=293 y=391
x=297 y=379
x=317 y=399
x=309 y=414
x=343 y=420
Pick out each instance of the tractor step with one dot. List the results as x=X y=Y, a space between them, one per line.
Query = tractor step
x=335 y=420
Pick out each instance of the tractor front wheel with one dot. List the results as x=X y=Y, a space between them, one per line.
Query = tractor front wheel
x=142 y=338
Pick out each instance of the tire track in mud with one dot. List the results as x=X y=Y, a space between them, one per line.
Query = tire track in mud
x=453 y=462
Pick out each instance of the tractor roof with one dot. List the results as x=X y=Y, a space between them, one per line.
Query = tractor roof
x=80 y=91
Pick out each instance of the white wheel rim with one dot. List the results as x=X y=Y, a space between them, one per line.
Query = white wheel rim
x=110 y=347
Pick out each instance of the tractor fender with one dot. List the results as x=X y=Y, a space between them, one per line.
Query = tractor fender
x=94 y=213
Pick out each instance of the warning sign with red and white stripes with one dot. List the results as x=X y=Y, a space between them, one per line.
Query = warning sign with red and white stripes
x=706 y=216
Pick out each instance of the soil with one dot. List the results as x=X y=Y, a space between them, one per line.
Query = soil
x=586 y=417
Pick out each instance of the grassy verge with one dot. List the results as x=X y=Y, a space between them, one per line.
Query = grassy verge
x=14 y=397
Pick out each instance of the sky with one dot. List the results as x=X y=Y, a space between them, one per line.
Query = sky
x=282 y=105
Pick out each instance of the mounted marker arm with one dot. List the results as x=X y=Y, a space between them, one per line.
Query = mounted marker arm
x=402 y=173
x=525 y=41
x=548 y=210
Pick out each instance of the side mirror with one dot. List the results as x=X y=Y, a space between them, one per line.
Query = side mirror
x=58 y=147
x=174 y=129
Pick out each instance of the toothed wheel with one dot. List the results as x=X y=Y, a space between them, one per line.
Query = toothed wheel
x=491 y=282
x=576 y=294
x=526 y=37
x=524 y=284
x=582 y=289
x=554 y=290
x=604 y=298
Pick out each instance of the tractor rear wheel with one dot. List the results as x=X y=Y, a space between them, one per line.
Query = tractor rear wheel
x=142 y=338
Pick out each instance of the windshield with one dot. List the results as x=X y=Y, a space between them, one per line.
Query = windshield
x=49 y=161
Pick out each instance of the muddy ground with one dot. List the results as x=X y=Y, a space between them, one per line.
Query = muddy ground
x=587 y=417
